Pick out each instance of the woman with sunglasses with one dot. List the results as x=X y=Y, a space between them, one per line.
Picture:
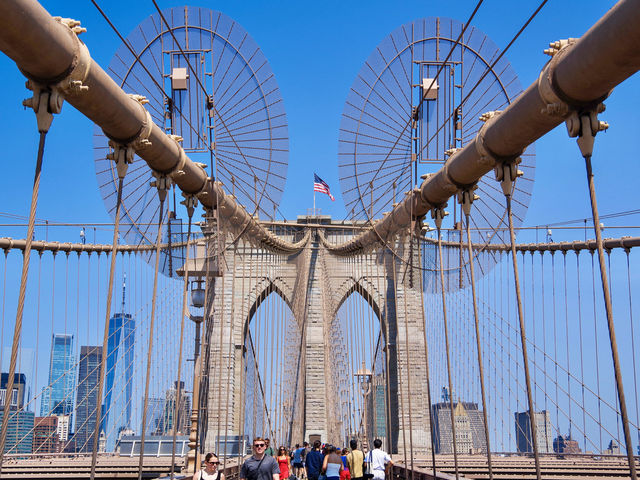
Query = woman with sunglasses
x=210 y=470
x=284 y=462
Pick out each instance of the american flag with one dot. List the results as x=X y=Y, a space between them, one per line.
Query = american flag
x=321 y=186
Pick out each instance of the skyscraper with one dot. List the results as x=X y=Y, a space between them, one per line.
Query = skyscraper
x=183 y=422
x=544 y=432
x=118 y=387
x=155 y=410
x=45 y=436
x=87 y=396
x=20 y=425
x=469 y=424
x=19 y=386
x=57 y=398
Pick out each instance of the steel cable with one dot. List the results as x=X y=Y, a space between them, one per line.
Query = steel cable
x=150 y=344
x=523 y=340
x=446 y=340
x=478 y=346
x=609 y=312
x=23 y=288
x=96 y=433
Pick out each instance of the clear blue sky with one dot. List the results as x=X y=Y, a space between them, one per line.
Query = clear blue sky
x=315 y=50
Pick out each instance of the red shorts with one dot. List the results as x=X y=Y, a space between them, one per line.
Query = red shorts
x=345 y=474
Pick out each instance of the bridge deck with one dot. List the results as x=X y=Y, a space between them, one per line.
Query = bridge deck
x=107 y=467
x=80 y=467
x=516 y=467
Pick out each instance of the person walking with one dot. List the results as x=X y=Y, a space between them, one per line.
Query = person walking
x=283 y=463
x=313 y=461
x=378 y=461
x=259 y=466
x=269 y=449
x=298 y=466
x=210 y=470
x=345 y=474
x=332 y=464
x=354 y=461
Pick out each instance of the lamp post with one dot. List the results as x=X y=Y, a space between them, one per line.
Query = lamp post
x=197 y=301
x=363 y=377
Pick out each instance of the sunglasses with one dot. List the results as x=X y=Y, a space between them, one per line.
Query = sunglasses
x=259 y=445
x=213 y=463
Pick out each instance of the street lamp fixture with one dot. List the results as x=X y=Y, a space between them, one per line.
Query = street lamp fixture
x=197 y=301
x=363 y=377
x=197 y=292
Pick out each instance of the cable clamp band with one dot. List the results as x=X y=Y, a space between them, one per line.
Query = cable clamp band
x=506 y=173
x=466 y=197
x=437 y=214
x=73 y=83
x=190 y=202
x=162 y=182
x=585 y=125
x=178 y=170
x=556 y=104
x=141 y=140
x=122 y=155
x=486 y=156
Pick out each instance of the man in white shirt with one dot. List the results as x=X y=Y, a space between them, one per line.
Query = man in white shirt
x=378 y=461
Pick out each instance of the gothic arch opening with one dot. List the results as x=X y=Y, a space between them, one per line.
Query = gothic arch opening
x=272 y=378
x=359 y=387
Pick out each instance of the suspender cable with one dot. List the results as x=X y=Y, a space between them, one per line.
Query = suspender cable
x=23 y=281
x=555 y=333
x=105 y=340
x=633 y=344
x=466 y=200
x=579 y=292
x=506 y=174
x=4 y=297
x=609 y=311
x=183 y=313
x=566 y=324
x=162 y=192
x=428 y=379
x=438 y=215
x=595 y=337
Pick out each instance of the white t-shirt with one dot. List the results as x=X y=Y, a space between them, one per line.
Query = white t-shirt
x=206 y=476
x=377 y=459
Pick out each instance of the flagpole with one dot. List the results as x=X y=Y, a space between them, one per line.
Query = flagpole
x=314 y=202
